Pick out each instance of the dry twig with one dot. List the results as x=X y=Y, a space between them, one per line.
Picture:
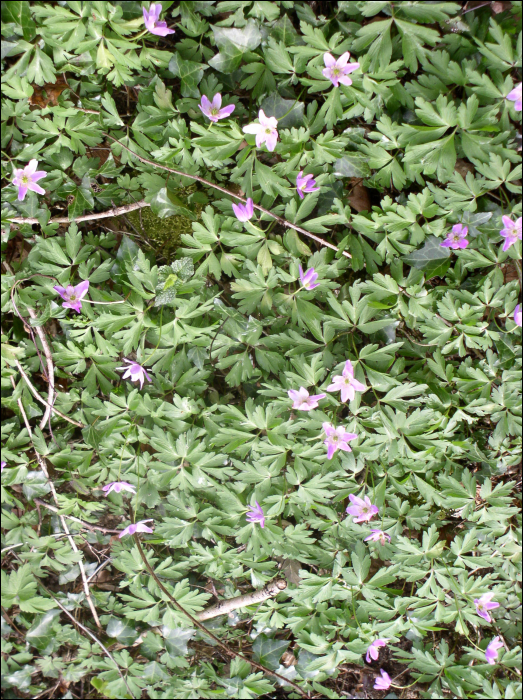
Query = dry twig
x=43 y=467
x=204 y=629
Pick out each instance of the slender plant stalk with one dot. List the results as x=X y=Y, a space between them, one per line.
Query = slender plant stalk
x=224 y=607
x=42 y=400
x=87 y=631
x=204 y=629
x=43 y=467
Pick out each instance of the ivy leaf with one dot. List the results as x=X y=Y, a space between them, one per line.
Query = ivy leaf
x=176 y=639
x=268 y=651
x=163 y=204
x=121 y=631
x=19 y=13
x=433 y=259
x=275 y=106
x=190 y=74
x=233 y=44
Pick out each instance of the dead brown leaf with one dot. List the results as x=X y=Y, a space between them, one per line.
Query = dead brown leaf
x=359 y=196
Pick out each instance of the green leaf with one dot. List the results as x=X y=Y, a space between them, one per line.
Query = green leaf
x=233 y=44
x=433 y=259
x=268 y=651
x=18 y=12
x=120 y=630
x=190 y=74
x=176 y=640
x=275 y=106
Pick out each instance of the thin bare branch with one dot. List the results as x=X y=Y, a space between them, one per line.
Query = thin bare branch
x=76 y=520
x=88 y=632
x=204 y=629
x=47 y=352
x=116 y=211
x=197 y=178
x=224 y=607
x=42 y=400
x=43 y=467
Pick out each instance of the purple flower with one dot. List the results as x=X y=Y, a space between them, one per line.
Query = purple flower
x=118 y=486
x=346 y=383
x=361 y=508
x=26 y=179
x=308 y=279
x=378 y=536
x=372 y=651
x=244 y=212
x=136 y=527
x=337 y=439
x=484 y=604
x=457 y=238
x=518 y=315
x=383 y=682
x=3 y=464
x=511 y=231
x=337 y=71
x=151 y=21
x=135 y=372
x=266 y=131
x=491 y=652
x=73 y=296
x=212 y=109
x=256 y=515
x=302 y=400
x=305 y=183
x=515 y=96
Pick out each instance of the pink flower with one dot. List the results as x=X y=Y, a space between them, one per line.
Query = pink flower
x=118 y=486
x=3 y=464
x=136 y=527
x=511 y=231
x=256 y=515
x=26 y=179
x=337 y=439
x=515 y=96
x=302 y=400
x=151 y=21
x=244 y=212
x=135 y=372
x=484 y=604
x=346 y=383
x=212 y=109
x=491 y=652
x=266 y=131
x=518 y=315
x=308 y=279
x=337 y=71
x=378 y=536
x=457 y=238
x=383 y=682
x=361 y=508
x=73 y=296
x=372 y=651
x=305 y=183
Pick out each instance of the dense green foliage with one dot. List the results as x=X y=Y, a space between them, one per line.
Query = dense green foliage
x=423 y=139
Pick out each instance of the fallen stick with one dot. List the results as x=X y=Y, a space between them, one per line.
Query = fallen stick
x=42 y=400
x=43 y=467
x=117 y=211
x=202 y=628
x=224 y=607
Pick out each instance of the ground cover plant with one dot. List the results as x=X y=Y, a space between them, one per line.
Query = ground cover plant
x=261 y=338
